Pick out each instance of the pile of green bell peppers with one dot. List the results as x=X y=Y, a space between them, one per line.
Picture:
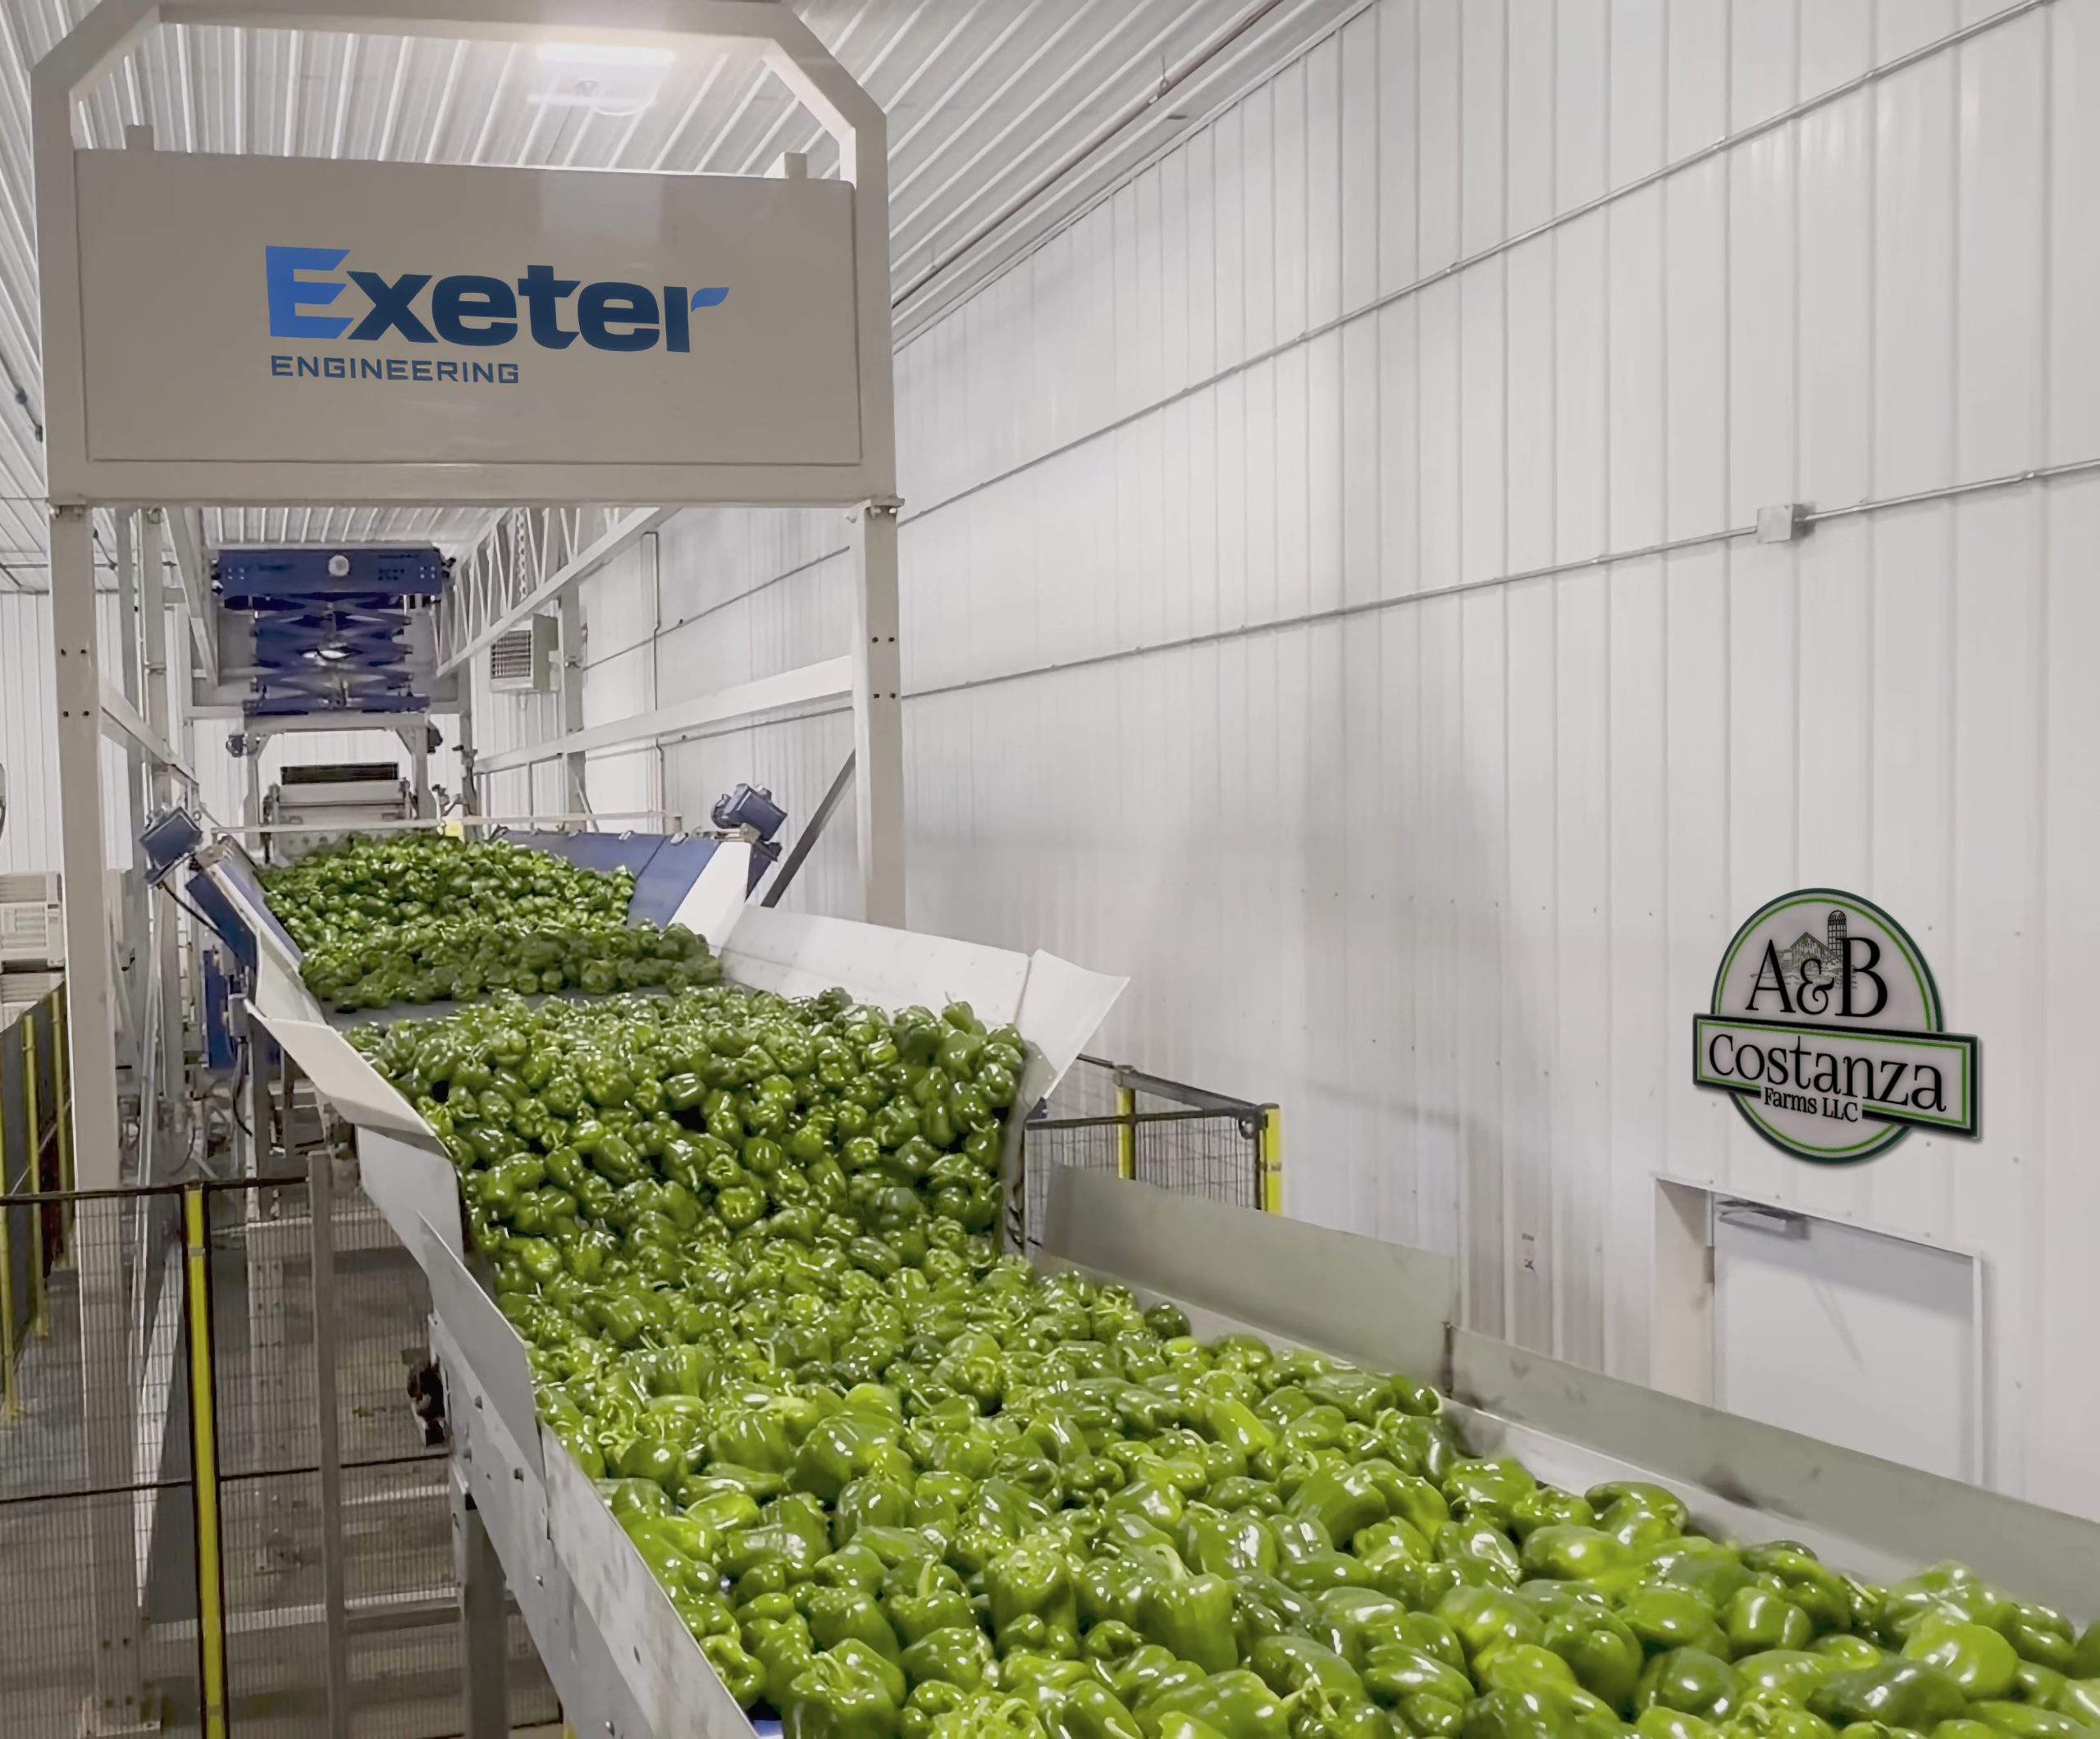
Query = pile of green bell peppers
x=898 y=1483
x=425 y=918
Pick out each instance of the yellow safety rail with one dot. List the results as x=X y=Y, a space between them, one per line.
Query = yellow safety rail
x=61 y=1069
x=1272 y=1160
x=1126 y=1133
x=35 y=1177
x=7 y=1290
x=204 y=1467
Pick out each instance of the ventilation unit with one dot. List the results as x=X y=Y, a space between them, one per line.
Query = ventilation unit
x=522 y=661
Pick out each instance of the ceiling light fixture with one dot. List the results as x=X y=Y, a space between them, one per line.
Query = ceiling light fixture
x=605 y=54
x=616 y=108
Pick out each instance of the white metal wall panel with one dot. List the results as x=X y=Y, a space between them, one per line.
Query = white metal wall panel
x=29 y=741
x=1445 y=875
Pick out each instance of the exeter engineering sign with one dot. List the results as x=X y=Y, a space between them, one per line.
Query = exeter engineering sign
x=469 y=310
x=278 y=310
x=1826 y=1027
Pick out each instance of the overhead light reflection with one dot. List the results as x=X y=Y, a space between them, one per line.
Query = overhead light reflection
x=605 y=54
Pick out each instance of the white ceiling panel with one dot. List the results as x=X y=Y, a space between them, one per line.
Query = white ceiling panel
x=1007 y=117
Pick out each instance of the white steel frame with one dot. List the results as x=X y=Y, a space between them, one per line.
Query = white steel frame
x=559 y=553
x=556 y=548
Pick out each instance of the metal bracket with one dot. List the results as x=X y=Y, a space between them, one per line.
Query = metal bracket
x=1753 y=1217
x=427 y=1401
x=1785 y=524
x=806 y=842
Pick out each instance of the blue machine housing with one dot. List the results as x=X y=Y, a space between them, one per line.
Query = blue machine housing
x=259 y=579
x=219 y=911
x=219 y=1039
x=332 y=625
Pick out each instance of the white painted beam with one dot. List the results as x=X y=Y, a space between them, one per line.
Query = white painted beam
x=832 y=679
x=124 y=721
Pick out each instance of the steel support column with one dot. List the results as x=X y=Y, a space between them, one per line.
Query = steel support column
x=107 y=1395
x=485 y=1619
x=877 y=715
x=415 y=738
x=163 y=927
x=252 y=810
x=131 y=957
x=573 y=796
x=470 y=795
x=78 y=691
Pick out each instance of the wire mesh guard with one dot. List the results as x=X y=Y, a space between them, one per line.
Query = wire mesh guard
x=401 y=1592
x=102 y=1439
x=78 y=1474
x=1109 y=1117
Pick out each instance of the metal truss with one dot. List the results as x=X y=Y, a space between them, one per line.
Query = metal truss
x=529 y=559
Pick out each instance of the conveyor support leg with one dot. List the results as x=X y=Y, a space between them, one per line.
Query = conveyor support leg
x=486 y=1623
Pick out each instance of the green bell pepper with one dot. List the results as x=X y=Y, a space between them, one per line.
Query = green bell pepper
x=1395 y=1672
x=956 y=1654
x=1289 y=1663
x=1192 y=1615
x=1545 y=1712
x=2025 y=1722
x=1232 y=1701
x=1758 y=1617
x=1637 y=1513
x=1483 y=1617
x=2085 y=1653
x=1319 y=1715
x=1977 y=1657
x=936 y=1601
x=1602 y=1654
x=836 y=1615
x=1492 y=1488
x=1690 y=1680
x=835 y=1698
x=1032 y=1578
x=1668 y=1618
x=783 y=1648
x=1570 y=1551
x=1906 y=1693
x=1789 y=1675
x=742 y=1677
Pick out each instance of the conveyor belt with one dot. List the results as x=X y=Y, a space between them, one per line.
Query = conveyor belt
x=1389 y=1306
x=613 y=1644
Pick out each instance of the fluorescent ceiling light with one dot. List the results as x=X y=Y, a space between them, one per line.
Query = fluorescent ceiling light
x=605 y=54
x=617 y=108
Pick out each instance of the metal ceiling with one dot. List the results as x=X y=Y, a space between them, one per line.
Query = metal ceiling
x=1006 y=118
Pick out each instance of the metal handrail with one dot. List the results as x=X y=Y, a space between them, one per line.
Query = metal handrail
x=1130 y=1077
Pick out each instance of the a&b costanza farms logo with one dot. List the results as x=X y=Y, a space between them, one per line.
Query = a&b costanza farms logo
x=1826 y=1027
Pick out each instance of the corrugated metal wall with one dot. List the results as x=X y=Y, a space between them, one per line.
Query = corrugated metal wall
x=1447 y=874
x=29 y=741
x=718 y=600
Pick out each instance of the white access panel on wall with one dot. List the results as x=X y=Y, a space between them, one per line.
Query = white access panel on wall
x=1861 y=1339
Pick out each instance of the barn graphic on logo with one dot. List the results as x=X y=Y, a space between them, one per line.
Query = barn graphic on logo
x=1812 y=960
